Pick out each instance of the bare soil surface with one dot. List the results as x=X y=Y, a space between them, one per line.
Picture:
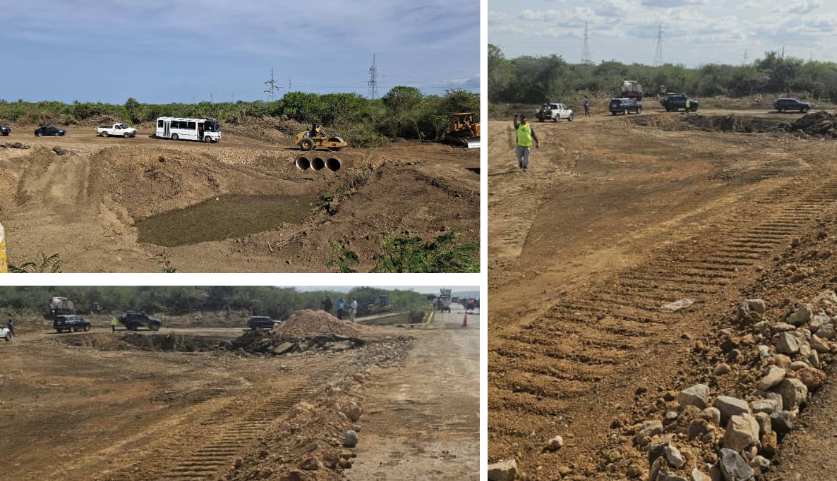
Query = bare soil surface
x=615 y=218
x=146 y=205
x=88 y=406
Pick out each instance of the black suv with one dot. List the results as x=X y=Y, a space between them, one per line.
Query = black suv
x=70 y=322
x=675 y=102
x=261 y=322
x=791 y=104
x=5 y=130
x=624 y=106
x=49 y=131
x=134 y=320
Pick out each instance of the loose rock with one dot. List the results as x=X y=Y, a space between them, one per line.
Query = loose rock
x=697 y=395
x=503 y=471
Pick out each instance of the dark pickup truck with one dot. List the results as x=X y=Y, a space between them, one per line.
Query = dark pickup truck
x=624 y=106
x=675 y=102
x=70 y=323
x=784 y=104
x=134 y=320
x=261 y=322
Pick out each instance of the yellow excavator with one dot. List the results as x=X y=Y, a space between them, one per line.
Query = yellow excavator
x=316 y=139
x=463 y=131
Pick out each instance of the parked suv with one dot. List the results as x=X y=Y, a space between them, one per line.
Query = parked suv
x=70 y=322
x=261 y=322
x=624 y=106
x=791 y=104
x=675 y=102
x=134 y=320
x=5 y=130
x=49 y=130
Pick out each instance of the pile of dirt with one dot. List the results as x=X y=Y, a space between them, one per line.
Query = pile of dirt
x=306 y=330
x=821 y=124
x=734 y=123
x=14 y=145
x=308 y=322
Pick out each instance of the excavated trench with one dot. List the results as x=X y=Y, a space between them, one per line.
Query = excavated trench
x=224 y=217
x=147 y=342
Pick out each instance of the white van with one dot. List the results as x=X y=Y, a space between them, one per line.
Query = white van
x=175 y=128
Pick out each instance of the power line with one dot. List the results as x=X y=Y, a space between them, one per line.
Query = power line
x=658 y=55
x=271 y=86
x=373 y=79
x=585 y=53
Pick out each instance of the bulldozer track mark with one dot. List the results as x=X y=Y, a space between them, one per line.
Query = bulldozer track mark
x=606 y=326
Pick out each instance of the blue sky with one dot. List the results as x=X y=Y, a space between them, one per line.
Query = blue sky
x=695 y=32
x=185 y=51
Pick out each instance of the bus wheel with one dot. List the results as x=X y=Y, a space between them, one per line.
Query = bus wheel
x=174 y=137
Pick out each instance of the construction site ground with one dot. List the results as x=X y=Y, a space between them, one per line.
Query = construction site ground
x=616 y=217
x=78 y=407
x=150 y=205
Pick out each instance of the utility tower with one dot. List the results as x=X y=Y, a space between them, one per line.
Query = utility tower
x=271 y=86
x=585 y=53
x=373 y=79
x=658 y=56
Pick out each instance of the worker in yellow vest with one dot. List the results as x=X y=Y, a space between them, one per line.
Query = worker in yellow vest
x=4 y=260
x=525 y=136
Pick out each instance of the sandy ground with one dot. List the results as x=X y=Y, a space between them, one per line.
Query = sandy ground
x=612 y=221
x=78 y=407
x=148 y=205
x=423 y=419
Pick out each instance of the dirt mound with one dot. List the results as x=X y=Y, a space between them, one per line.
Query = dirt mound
x=734 y=123
x=308 y=323
x=819 y=123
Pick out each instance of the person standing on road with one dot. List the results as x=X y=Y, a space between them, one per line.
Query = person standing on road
x=354 y=309
x=586 y=105
x=327 y=305
x=10 y=324
x=113 y=323
x=525 y=136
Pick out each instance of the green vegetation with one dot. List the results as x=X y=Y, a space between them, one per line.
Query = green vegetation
x=342 y=258
x=276 y=302
x=442 y=254
x=403 y=112
x=532 y=80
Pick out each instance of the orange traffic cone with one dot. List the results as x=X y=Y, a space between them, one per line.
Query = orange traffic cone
x=465 y=320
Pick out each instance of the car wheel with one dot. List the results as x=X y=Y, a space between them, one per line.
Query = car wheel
x=571 y=117
x=127 y=135
x=306 y=144
x=804 y=110
x=174 y=137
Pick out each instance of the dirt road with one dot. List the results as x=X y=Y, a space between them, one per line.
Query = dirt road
x=90 y=406
x=422 y=419
x=148 y=205
x=612 y=221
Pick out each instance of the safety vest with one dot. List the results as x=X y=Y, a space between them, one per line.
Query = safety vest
x=524 y=135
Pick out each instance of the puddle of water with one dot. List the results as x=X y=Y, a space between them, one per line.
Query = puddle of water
x=230 y=216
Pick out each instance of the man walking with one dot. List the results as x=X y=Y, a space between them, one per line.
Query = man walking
x=10 y=324
x=525 y=136
x=113 y=323
x=586 y=105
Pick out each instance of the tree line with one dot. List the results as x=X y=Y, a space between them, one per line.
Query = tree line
x=532 y=80
x=403 y=112
x=277 y=302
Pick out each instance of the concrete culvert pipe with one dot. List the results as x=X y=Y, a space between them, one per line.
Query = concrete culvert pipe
x=333 y=164
x=303 y=163
x=317 y=163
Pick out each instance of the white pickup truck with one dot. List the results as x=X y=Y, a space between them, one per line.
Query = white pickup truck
x=554 y=111
x=116 y=130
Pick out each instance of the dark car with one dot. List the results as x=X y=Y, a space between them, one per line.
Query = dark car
x=261 y=322
x=791 y=104
x=133 y=320
x=675 y=102
x=48 y=131
x=70 y=322
x=624 y=106
x=5 y=130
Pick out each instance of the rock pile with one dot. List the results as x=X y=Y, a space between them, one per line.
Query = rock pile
x=305 y=330
x=709 y=435
x=822 y=123
x=14 y=145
